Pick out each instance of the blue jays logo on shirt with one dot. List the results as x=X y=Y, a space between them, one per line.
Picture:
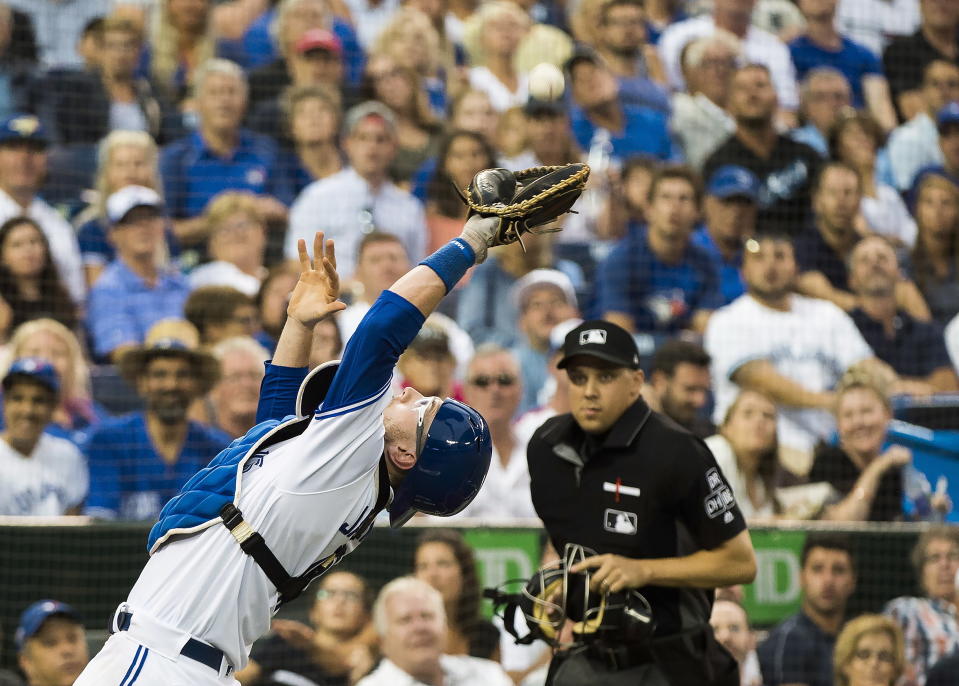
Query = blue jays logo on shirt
x=783 y=183
x=592 y=337
x=255 y=461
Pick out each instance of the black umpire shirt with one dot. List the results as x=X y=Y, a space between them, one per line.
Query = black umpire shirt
x=646 y=489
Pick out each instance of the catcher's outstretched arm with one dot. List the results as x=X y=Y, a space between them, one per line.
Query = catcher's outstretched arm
x=427 y=283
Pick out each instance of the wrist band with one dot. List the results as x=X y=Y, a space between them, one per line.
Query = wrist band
x=451 y=262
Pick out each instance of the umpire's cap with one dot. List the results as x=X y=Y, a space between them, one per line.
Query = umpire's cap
x=451 y=466
x=601 y=339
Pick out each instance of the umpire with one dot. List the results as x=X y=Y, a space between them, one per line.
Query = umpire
x=647 y=496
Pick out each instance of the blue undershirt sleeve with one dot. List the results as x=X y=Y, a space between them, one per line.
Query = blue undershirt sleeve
x=372 y=351
x=278 y=391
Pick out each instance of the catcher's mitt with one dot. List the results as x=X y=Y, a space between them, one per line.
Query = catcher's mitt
x=524 y=199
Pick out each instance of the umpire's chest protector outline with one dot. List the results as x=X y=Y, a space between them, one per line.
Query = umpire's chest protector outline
x=196 y=507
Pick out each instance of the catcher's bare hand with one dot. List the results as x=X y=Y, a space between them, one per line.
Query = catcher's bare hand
x=317 y=293
x=614 y=573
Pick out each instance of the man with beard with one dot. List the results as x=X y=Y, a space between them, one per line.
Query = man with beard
x=915 y=349
x=679 y=385
x=140 y=460
x=784 y=167
x=798 y=651
x=622 y=42
x=793 y=348
x=823 y=250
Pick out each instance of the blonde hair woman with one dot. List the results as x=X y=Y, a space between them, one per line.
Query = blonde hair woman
x=52 y=341
x=124 y=158
x=869 y=652
x=413 y=43
x=417 y=130
x=182 y=39
x=493 y=36
x=866 y=474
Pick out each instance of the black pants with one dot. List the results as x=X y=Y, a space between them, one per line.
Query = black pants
x=691 y=658
x=576 y=667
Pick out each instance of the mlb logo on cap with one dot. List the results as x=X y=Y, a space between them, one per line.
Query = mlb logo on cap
x=592 y=337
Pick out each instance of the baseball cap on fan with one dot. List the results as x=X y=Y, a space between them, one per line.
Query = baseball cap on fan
x=34 y=616
x=128 y=198
x=319 y=39
x=603 y=340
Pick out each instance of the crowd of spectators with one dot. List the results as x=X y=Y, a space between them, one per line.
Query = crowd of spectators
x=773 y=213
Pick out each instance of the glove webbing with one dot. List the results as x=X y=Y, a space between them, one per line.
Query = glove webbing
x=523 y=207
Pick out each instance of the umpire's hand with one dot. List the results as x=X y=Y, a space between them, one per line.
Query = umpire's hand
x=614 y=573
x=317 y=293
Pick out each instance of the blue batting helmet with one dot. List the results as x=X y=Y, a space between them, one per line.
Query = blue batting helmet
x=451 y=467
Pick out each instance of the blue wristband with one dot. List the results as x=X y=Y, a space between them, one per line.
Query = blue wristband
x=451 y=262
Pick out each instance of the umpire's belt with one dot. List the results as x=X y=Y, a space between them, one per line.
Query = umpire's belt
x=168 y=641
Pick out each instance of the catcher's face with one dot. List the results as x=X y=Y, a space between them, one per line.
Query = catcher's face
x=600 y=392
x=408 y=416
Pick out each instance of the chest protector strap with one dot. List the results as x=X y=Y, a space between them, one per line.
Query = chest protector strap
x=252 y=544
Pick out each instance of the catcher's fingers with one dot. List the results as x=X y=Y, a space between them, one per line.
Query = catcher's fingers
x=317 y=248
x=305 y=263
x=330 y=252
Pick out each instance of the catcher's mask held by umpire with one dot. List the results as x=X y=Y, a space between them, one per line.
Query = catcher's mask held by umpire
x=450 y=467
x=553 y=595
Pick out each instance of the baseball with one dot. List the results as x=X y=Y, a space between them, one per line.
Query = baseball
x=546 y=82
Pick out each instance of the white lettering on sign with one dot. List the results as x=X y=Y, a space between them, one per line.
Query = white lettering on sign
x=777 y=576
x=501 y=565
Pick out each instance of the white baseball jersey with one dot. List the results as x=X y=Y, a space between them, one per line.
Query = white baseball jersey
x=308 y=496
x=813 y=344
x=47 y=482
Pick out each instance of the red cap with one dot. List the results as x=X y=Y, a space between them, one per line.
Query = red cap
x=319 y=39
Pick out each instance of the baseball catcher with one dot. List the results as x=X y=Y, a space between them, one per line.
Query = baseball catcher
x=284 y=503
